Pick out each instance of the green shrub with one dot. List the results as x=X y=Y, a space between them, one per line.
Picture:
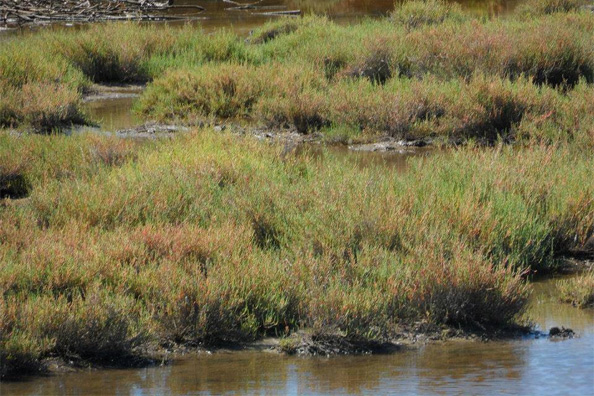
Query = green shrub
x=223 y=91
x=417 y=13
x=578 y=290
x=539 y=7
x=253 y=245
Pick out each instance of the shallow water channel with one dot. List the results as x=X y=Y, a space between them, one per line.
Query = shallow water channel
x=111 y=109
x=534 y=365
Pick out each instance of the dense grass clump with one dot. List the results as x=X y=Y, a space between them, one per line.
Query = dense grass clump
x=578 y=290
x=414 y=14
x=254 y=243
x=12 y=180
x=299 y=73
x=37 y=90
x=481 y=108
x=536 y=7
x=487 y=80
x=44 y=75
x=211 y=90
x=41 y=106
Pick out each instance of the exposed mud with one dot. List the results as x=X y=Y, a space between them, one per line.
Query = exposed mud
x=584 y=253
x=419 y=334
x=151 y=131
x=303 y=343
x=433 y=362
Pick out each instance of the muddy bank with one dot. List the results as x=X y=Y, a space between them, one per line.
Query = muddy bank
x=387 y=144
x=584 y=254
x=309 y=343
x=104 y=93
x=306 y=343
x=303 y=343
x=110 y=108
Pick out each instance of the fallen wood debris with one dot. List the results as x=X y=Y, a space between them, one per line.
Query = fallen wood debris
x=239 y=6
x=280 y=13
x=41 y=11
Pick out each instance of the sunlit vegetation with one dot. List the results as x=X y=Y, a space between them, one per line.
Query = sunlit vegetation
x=578 y=290
x=503 y=78
x=208 y=239
x=427 y=71
x=112 y=248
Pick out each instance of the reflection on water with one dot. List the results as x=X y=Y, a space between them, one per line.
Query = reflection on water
x=217 y=10
x=219 y=13
x=394 y=160
x=113 y=114
x=528 y=366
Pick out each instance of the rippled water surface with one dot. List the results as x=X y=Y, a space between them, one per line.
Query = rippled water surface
x=536 y=366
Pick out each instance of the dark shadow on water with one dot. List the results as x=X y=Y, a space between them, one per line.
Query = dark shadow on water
x=14 y=186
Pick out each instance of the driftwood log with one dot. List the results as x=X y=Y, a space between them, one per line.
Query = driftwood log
x=35 y=11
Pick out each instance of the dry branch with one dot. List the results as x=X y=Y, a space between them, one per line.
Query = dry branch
x=32 y=11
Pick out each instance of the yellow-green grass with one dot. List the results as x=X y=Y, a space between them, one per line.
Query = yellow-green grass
x=420 y=71
x=502 y=78
x=578 y=290
x=539 y=7
x=43 y=76
x=414 y=14
x=482 y=108
x=211 y=238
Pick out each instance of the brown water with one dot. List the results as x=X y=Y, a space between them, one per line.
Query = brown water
x=221 y=14
x=394 y=160
x=111 y=108
x=114 y=113
x=526 y=366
